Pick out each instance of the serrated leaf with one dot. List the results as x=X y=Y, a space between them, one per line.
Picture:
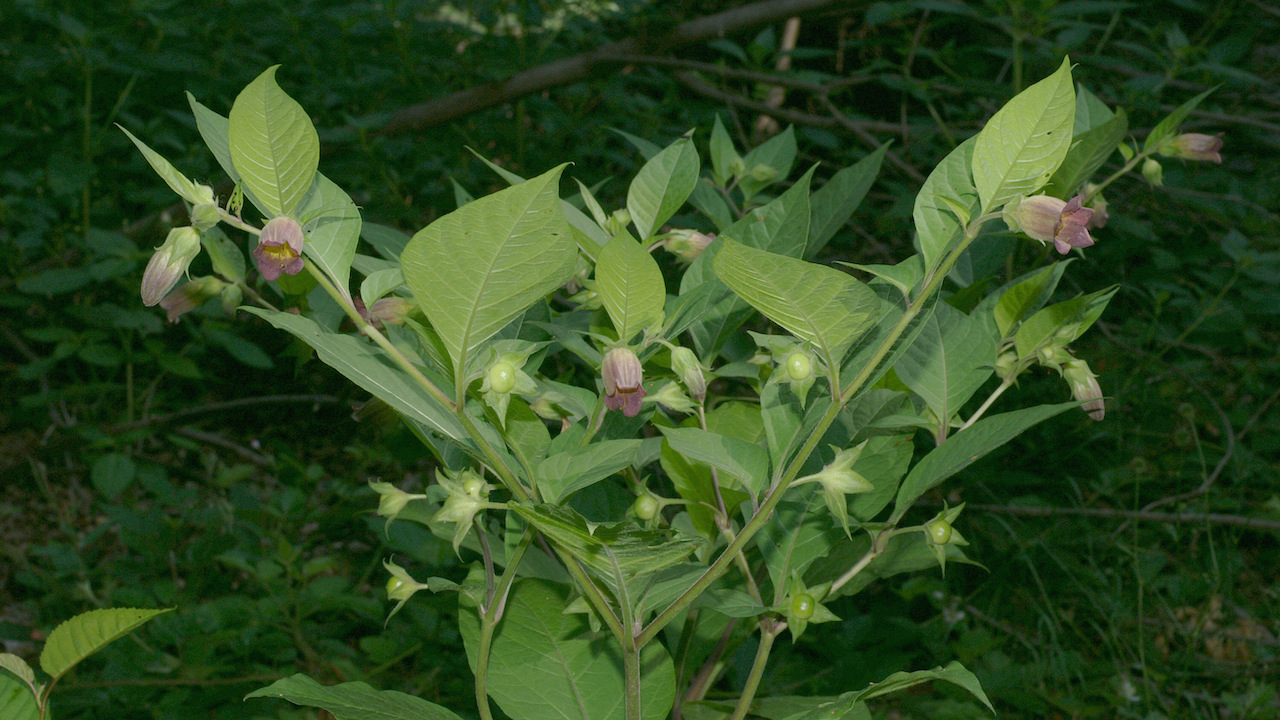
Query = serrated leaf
x=1170 y=124
x=167 y=172
x=748 y=462
x=479 y=267
x=936 y=225
x=19 y=667
x=817 y=304
x=630 y=285
x=1023 y=144
x=565 y=473
x=274 y=146
x=85 y=634
x=353 y=700
x=364 y=365
x=965 y=447
x=546 y=665
x=950 y=359
x=662 y=186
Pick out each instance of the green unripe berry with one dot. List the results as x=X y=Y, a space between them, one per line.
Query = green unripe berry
x=799 y=366
x=393 y=584
x=939 y=531
x=645 y=507
x=502 y=377
x=802 y=606
x=473 y=486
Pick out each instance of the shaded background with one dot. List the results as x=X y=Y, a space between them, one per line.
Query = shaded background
x=213 y=466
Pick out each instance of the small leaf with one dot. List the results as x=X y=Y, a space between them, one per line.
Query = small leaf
x=16 y=700
x=1076 y=315
x=722 y=154
x=274 y=146
x=353 y=700
x=1170 y=124
x=174 y=179
x=112 y=473
x=662 y=186
x=1089 y=151
x=379 y=283
x=1023 y=144
x=936 y=225
x=227 y=257
x=1026 y=295
x=19 y=667
x=85 y=634
x=630 y=285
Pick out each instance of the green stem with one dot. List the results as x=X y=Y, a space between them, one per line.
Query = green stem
x=768 y=632
x=631 y=671
x=986 y=404
x=489 y=622
x=780 y=484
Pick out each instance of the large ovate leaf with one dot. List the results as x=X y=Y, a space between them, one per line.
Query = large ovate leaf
x=950 y=184
x=796 y=535
x=662 y=186
x=333 y=230
x=630 y=285
x=85 y=634
x=366 y=366
x=565 y=473
x=748 y=462
x=1023 y=144
x=949 y=361
x=273 y=144
x=353 y=700
x=547 y=665
x=818 y=304
x=965 y=447
x=479 y=267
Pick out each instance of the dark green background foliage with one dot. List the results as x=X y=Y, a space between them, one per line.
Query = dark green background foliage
x=211 y=466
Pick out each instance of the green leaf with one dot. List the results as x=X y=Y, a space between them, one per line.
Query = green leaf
x=1025 y=295
x=379 y=283
x=565 y=473
x=1072 y=317
x=274 y=146
x=965 y=447
x=722 y=154
x=388 y=241
x=937 y=227
x=19 y=667
x=214 y=130
x=884 y=460
x=112 y=473
x=1023 y=144
x=789 y=707
x=546 y=665
x=353 y=700
x=630 y=285
x=1090 y=111
x=778 y=152
x=16 y=700
x=334 y=230
x=1088 y=152
x=817 y=304
x=949 y=361
x=174 y=179
x=953 y=673
x=662 y=186
x=1170 y=124
x=227 y=257
x=589 y=236
x=747 y=462
x=837 y=200
x=479 y=267
x=796 y=536
x=85 y=634
x=364 y=365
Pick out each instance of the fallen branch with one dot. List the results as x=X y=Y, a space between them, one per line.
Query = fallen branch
x=594 y=62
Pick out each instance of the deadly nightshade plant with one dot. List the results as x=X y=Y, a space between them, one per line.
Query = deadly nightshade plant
x=521 y=319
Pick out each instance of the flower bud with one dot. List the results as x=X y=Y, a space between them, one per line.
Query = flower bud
x=1084 y=387
x=1194 y=146
x=232 y=296
x=1049 y=219
x=279 y=248
x=169 y=263
x=689 y=370
x=191 y=296
x=764 y=173
x=688 y=244
x=1153 y=172
x=623 y=374
x=1099 y=206
x=205 y=216
x=1006 y=364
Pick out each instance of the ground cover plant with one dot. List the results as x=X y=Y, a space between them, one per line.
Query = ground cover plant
x=1062 y=676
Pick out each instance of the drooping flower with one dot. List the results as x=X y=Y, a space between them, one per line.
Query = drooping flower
x=1084 y=387
x=279 y=248
x=1050 y=219
x=1194 y=146
x=191 y=296
x=623 y=376
x=169 y=264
